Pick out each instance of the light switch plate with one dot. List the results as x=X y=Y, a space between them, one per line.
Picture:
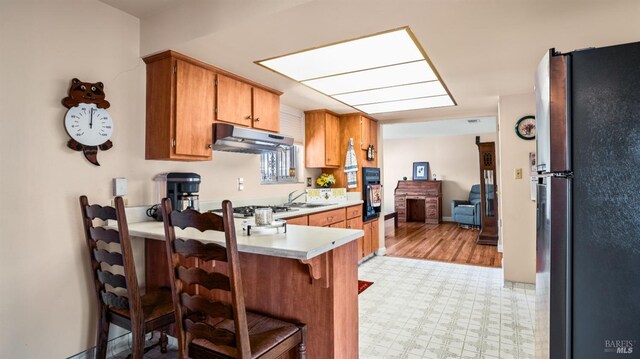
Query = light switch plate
x=240 y=184
x=518 y=173
x=119 y=186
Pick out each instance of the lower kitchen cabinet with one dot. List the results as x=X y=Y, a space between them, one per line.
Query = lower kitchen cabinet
x=349 y=217
x=300 y=221
x=370 y=241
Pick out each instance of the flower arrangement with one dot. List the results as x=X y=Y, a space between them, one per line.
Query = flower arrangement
x=325 y=180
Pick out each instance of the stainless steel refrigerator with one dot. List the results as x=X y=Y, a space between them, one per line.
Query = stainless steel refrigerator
x=588 y=199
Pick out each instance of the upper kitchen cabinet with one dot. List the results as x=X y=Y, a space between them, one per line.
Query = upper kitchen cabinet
x=233 y=101
x=186 y=96
x=364 y=131
x=368 y=133
x=247 y=105
x=179 y=109
x=266 y=110
x=322 y=139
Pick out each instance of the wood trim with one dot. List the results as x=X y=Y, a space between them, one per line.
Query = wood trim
x=319 y=269
x=176 y=55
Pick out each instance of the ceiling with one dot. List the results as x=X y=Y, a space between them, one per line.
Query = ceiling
x=468 y=126
x=483 y=49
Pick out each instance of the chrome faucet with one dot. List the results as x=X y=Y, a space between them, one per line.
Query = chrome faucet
x=290 y=201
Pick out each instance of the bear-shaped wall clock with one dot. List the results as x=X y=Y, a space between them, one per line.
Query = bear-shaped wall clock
x=87 y=121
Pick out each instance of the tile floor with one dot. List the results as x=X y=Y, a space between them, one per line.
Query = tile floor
x=425 y=309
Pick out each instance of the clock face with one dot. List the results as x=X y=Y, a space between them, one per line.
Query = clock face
x=88 y=124
x=526 y=128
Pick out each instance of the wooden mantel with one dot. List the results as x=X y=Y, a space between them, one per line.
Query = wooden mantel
x=419 y=201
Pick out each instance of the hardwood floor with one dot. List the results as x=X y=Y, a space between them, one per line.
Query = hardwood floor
x=445 y=242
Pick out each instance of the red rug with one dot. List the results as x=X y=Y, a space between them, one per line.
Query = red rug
x=362 y=285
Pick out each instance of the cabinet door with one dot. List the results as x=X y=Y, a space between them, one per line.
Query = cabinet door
x=375 y=233
x=360 y=247
x=365 y=132
x=195 y=88
x=366 y=249
x=314 y=139
x=354 y=211
x=332 y=140
x=373 y=139
x=300 y=221
x=266 y=110
x=354 y=223
x=233 y=101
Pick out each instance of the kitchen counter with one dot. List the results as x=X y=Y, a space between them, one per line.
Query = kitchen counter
x=299 y=242
x=306 y=211
x=308 y=275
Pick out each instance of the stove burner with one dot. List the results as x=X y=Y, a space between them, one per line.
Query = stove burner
x=249 y=211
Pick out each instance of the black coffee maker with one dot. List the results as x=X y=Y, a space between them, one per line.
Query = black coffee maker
x=182 y=189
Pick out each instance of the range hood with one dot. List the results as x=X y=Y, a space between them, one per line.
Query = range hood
x=232 y=138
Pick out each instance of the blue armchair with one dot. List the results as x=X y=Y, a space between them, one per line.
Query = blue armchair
x=468 y=212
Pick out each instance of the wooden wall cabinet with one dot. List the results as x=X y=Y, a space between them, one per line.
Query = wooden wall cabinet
x=183 y=101
x=243 y=104
x=322 y=140
x=368 y=134
x=179 y=110
x=364 y=131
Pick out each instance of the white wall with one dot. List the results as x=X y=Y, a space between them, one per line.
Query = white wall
x=454 y=159
x=516 y=209
x=47 y=306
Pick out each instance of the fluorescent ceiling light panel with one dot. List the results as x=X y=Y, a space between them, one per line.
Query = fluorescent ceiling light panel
x=384 y=72
x=404 y=105
x=374 y=79
x=404 y=92
x=382 y=50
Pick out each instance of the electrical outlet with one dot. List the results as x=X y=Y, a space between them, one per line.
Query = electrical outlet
x=119 y=186
x=518 y=173
x=309 y=182
x=240 y=184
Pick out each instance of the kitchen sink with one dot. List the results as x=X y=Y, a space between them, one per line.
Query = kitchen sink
x=309 y=205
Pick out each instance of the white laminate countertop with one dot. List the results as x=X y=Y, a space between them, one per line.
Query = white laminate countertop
x=299 y=242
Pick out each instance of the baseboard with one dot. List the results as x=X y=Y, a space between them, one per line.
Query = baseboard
x=500 y=247
x=447 y=219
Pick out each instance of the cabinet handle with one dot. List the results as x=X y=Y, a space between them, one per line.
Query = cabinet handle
x=210 y=145
x=248 y=117
x=257 y=119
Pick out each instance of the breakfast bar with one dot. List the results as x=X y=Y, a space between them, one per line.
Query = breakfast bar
x=306 y=274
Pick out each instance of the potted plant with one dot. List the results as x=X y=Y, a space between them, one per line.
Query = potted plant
x=325 y=180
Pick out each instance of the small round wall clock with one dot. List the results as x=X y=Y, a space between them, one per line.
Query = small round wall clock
x=526 y=128
x=87 y=121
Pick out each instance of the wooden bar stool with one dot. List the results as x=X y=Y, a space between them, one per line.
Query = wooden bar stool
x=118 y=296
x=209 y=325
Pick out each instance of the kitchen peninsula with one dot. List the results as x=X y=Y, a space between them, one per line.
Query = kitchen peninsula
x=308 y=274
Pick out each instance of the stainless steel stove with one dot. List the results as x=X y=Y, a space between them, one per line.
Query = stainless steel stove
x=249 y=211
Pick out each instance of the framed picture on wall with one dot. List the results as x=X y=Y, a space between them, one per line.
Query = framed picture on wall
x=421 y=171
